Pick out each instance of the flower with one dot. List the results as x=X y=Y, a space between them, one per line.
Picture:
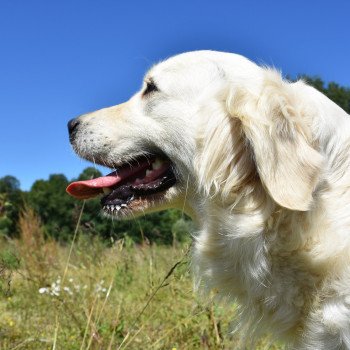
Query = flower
x=44 y=290
x=68 y=290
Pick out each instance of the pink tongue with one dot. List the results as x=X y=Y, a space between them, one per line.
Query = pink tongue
x=91 y=188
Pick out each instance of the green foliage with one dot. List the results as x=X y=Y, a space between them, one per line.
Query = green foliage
x=181 y=230
x=9 y=259
x=11 y=200
x=9 y=184
x=9 y=262
x=55 y=208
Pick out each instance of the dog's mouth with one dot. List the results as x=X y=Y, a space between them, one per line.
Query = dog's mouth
x=140 y=181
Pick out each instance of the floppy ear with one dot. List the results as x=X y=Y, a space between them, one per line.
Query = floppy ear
x=274 y=124
x=224 y=161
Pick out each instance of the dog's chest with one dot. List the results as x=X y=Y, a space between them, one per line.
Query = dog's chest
x=268 y=280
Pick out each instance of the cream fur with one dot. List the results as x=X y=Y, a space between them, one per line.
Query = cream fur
x=263 y=168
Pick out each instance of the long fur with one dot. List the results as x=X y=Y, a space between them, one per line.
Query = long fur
x=267 y=162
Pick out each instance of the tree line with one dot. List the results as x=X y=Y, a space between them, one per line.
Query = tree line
x=59 y=212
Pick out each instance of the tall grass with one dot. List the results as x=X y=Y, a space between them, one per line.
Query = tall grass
x=93 y=296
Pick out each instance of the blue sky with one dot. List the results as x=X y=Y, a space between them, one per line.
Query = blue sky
x=60 y=59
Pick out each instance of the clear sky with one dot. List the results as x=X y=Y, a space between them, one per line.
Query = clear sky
x=62 y=58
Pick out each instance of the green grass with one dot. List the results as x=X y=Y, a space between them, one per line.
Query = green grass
x=118 y=297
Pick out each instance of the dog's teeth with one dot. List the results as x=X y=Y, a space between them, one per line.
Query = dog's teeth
x=117 y=207
x=106 y=190
x=148 y=172
x=123 y=205
x=157 y=164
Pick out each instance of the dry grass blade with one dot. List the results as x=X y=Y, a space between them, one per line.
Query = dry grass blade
x=73 y=241
x=88 y=323
x=100 y=312
x=216 y=325
x=55 y=335
x=131 y=339
x=66 y=268
x=114 y=328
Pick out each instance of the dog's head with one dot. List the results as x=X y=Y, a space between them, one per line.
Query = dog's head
x=205 y=125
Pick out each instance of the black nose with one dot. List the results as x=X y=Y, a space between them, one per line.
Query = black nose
x=72 y=127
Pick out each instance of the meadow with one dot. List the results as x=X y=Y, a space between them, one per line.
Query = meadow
x=95 y=294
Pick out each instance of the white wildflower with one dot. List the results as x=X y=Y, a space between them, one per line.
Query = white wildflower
x=43 y=290
x=55 y=293
x=55 y=289
x=68 y=290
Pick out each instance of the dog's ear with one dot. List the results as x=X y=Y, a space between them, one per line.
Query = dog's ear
x=224 y=161
x=277 y=128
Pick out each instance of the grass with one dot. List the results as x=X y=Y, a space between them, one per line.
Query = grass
x=123 y=296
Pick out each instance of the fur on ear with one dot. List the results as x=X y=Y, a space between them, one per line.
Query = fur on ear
x=224 y=162
x=279 y=134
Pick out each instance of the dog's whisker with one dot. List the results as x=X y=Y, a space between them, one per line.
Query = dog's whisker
x=185 y=198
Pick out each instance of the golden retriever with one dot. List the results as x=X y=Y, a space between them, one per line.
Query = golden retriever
x=261 y=164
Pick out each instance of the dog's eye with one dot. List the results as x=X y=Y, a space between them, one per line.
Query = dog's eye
x=150 y=87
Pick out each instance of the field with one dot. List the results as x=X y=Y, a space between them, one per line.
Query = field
x=94 y=295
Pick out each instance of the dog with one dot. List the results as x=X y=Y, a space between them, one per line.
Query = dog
x=261 y=164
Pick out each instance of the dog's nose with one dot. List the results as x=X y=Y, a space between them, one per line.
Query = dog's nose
x=72 y=126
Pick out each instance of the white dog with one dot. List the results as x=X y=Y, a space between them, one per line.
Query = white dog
x=261 y=164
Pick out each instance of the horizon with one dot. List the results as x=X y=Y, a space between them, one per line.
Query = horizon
x=65 y=59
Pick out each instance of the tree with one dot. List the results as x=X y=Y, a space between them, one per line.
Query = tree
x=9 y=184
x=11 y=201
x=49 y=200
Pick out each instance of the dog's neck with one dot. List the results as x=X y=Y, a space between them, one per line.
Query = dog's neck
x=241 y=250
x=230 y=238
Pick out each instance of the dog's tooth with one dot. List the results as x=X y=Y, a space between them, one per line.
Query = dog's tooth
x=148 y=172
x=157 y=164
x=123 y=205
x=117 y=207
x=106 y=190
